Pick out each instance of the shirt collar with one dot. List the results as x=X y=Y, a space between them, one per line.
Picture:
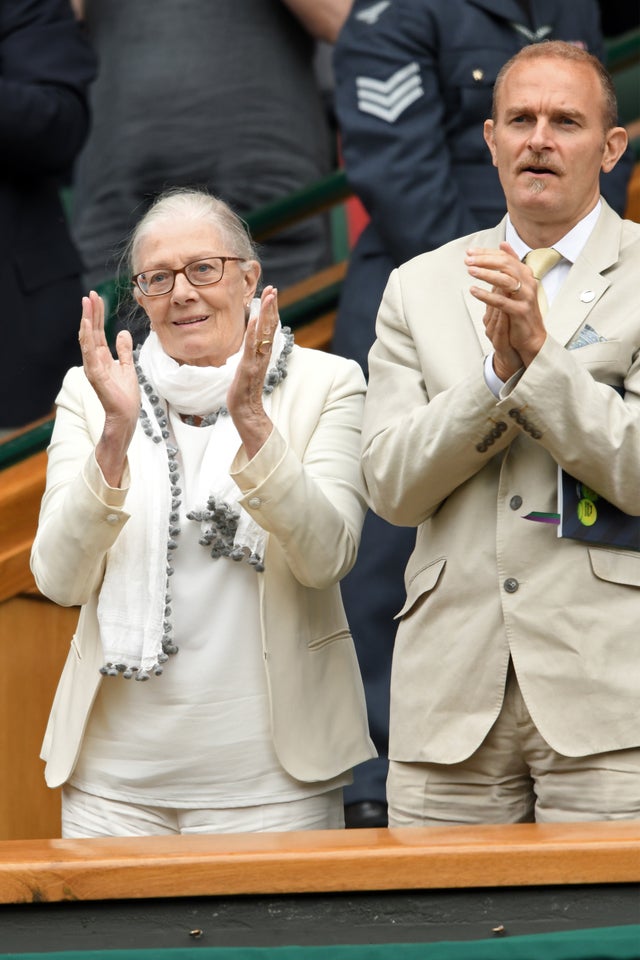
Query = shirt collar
x=570 y=246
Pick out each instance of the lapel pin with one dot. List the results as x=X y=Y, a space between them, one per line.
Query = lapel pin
x=478 y=74
x=587 y=296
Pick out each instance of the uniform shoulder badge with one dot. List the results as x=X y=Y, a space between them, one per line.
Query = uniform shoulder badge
x=388 y=99
x=372 y=14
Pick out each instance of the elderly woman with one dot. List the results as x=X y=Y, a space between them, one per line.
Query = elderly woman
x=203 y=501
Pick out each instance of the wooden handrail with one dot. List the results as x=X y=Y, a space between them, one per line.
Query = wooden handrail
x=20 y=495
x=320 y=861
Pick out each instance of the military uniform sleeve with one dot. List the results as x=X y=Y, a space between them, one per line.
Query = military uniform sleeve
x=46 y=66
x=392 y=122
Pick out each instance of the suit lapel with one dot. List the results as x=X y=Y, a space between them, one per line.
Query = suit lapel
x=507 y=9
x=476 y=311
x=585 y=284
x=488 y=240
x=545 y=14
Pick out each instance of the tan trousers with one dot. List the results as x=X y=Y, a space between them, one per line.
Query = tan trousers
x=515 y=777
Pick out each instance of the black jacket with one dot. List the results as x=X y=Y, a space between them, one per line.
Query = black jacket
x=46 y=66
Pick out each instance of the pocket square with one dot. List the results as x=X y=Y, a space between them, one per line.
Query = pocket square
x=584 y=337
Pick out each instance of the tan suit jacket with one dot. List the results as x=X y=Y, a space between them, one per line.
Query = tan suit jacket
x=305 y=489
x=441 y=453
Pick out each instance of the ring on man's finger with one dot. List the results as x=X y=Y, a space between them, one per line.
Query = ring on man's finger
x=515 y=289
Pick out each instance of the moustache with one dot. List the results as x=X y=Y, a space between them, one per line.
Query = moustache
x=538 y=163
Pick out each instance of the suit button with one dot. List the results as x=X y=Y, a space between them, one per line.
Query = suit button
x=481 y=447
x=536 y=434
x=255 y=502
x=515 y=503
x=514 y=412
x=511 y=585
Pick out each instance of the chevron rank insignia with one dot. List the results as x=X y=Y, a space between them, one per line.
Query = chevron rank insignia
x=372 y=14
x=388 y=99
x=532 y=36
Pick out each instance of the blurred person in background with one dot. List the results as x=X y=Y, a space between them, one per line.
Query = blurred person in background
x=46 y=67
x=221 y=95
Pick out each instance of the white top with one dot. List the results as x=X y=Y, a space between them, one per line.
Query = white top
x=200 y=734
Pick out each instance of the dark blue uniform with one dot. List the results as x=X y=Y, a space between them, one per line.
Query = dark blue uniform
x=46 y=66
x=414 y=81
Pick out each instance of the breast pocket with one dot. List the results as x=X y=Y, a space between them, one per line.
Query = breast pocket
x=605 y=351
x=467 y=75
x=420 y=586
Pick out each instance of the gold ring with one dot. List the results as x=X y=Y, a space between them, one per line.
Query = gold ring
x=515 y=289
x=264 y=343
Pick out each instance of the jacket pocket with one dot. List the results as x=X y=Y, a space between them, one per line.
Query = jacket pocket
x=319 y=642
x=616 y=566
x=422 y=583
x=605 y=351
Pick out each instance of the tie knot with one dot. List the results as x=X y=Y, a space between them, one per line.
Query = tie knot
x=542 y=260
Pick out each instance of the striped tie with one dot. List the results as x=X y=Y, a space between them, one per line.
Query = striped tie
x=541 y=261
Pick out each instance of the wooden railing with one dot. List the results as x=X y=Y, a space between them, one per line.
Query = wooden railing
x=320 y=861
x=370 y=887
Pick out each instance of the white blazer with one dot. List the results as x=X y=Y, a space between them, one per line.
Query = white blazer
x=305 y=489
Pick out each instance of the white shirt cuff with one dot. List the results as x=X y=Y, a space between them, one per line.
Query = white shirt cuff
x=494 y=382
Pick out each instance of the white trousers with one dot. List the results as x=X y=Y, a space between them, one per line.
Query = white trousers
x=87 y=815
x=515 y=777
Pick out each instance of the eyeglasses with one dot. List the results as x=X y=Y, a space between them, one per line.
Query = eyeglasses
x=201 y=273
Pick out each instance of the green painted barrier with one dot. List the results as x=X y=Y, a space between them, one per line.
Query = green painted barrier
x=603 y=943
x=296 y=206
x=620 y=51
x=23 y=446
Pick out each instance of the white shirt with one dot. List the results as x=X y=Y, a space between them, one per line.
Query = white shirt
x=199 y=736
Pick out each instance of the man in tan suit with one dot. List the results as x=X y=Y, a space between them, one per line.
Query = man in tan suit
x=516 y=682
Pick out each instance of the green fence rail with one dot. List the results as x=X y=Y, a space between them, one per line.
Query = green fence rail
x=623 y=51
x=296 y=206
x=25 y=444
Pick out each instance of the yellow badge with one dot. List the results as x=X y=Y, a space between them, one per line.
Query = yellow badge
x=587 y=513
